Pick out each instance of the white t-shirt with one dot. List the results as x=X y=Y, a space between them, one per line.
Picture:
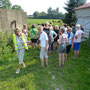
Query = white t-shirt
x=79 y=34
x=43 y=38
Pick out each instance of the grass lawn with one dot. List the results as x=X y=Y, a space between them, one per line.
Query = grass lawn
x=40 y=21
x=75 y=75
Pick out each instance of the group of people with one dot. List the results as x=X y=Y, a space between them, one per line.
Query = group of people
x=63 y=38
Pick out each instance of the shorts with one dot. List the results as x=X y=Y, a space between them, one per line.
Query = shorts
x=34 y=40
x=76 y=46
x=43 y=53
x=61 y=48
x=68 y=48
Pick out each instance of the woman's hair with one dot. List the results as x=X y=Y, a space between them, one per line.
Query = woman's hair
x=33 y=26
x=65 y=25
x=69 y=28
x=56 y=27
x=62 y=29
x=46 y=24
x=51 y=28
x=78 y=26
x=73 y=24
x=24 y=26
x=43 y=24
x=17 y=30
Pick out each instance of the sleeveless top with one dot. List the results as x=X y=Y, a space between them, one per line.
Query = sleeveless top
x=63 y=39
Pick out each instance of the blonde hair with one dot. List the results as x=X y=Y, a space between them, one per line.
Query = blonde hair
x=69 y=29
x=56 y=27
x=47 y=23
x=51 y=28
x=17 y=30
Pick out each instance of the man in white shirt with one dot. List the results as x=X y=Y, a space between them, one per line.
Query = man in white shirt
x=43 y=45
x=77 y=40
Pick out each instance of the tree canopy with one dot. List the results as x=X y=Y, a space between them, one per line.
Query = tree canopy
x=17 y=7
x=5 y=4
x=51 y=14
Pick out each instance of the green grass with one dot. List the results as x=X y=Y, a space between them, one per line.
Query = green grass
x=75 y=75
x=40 y=21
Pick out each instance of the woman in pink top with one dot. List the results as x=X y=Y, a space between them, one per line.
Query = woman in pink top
x=24 y=30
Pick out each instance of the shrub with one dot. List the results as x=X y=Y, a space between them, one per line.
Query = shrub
x=5 y=44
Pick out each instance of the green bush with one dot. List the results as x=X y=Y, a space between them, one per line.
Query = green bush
x=5 y=45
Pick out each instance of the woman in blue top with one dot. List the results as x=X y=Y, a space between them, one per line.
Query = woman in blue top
x=70 y=36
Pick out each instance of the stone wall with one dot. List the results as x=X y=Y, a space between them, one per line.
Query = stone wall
x=8 y=16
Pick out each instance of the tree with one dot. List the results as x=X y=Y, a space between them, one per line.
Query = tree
x=17 y=7
x=51 y=14
x=70 y=6
x=49 y=10
x=42 y=15
x=5 y=4
x=36 y=14
x=57 y=10
x=80 y=2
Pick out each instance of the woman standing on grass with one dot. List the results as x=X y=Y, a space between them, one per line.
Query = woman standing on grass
x=62 y=46
x=57 y=31
x=53 y=35
x=77 y=40
x=33 y=33
x=24 y=30
x=70 y=36
x=19 y=45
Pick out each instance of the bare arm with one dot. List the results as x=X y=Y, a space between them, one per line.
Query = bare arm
x=76 y=36
x=83 y=34
x=72 y=42
x=31 y=35
x=67 y=40
x=46 y=45
x=55 y=35
x=59 y=40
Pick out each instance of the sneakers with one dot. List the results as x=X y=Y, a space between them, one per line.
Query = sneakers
x=18 y=70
